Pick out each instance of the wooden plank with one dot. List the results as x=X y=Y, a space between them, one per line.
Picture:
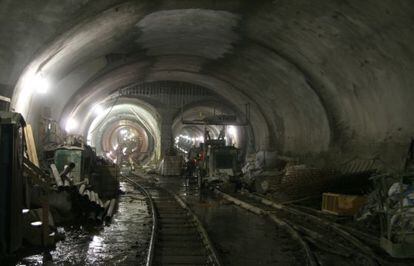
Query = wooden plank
x=31 y=146
x=35 y=170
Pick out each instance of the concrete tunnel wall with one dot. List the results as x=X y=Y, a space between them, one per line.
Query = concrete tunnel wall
x=323 y=77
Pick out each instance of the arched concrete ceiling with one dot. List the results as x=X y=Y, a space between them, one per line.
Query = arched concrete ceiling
x=142 y=71
x=320 y=75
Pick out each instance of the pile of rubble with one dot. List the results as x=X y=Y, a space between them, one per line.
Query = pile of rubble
x=285 y=178
x=57 y=200
x=391 y=198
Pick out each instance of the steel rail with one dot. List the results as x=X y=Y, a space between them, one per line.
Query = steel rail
x=154 y=231
x=212 y=257
x=335 y=227
x=215 y=259
x=365 y=250
x=311 y=261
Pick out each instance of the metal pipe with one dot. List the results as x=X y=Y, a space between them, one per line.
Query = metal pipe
x=111 y=208
x=82 y=189
x=92 y=196
x=106 y=205
x=87 y=194
x=67 y=169
x=56 y=175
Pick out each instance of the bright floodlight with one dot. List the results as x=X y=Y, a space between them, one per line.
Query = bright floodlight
x=97 y=109
x=232 y=131
x=71 y=124
x=39 y=83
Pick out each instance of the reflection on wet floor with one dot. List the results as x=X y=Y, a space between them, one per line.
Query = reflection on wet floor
x=240 y=237
x=123 y=242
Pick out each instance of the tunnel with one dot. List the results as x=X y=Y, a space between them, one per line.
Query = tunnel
x=326 y=84
x=320 y=79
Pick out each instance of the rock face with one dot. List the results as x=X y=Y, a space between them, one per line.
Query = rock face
x=325 y=77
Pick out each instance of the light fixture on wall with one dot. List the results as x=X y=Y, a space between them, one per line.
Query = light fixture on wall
x=71 y=125
x=231 y=130
x=41 y=84
x=37 y=82
x=97 y=109
x=232 y=136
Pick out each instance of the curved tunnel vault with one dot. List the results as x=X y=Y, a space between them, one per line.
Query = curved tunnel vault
x=317 y=96
x=323 y=78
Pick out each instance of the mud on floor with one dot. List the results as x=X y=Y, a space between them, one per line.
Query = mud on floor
x=123 y=242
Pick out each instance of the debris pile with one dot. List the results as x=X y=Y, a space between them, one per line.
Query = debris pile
x=286 y=179
x=92 y=207
x=401 y=205
x=84 y=192
x=391 y=198
x=290 y=182
x=40 y=195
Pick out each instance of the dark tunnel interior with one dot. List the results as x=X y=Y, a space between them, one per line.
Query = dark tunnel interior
x=289 y=101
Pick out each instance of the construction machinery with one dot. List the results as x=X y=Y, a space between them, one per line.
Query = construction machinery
x=215 y=160
x=82 y=157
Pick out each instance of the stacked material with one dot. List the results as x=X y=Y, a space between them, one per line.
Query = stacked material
x=301 y=181
x=80 y=201
x=296 y=181
x=105 y=181
x=93 y=207
x=392 y=201
x=267 y=181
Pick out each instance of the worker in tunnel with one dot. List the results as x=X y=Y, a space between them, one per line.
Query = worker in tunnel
x=222 y=133
x=207 y=134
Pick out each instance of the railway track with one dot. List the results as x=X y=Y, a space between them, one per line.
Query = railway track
x=177 y=237
x=324 y=242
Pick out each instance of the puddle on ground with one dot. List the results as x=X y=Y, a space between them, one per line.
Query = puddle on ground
x=240 y=237
x=123 y=242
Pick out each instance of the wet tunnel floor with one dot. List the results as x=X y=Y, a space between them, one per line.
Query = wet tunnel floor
x=123 y=242
x=240 y=237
